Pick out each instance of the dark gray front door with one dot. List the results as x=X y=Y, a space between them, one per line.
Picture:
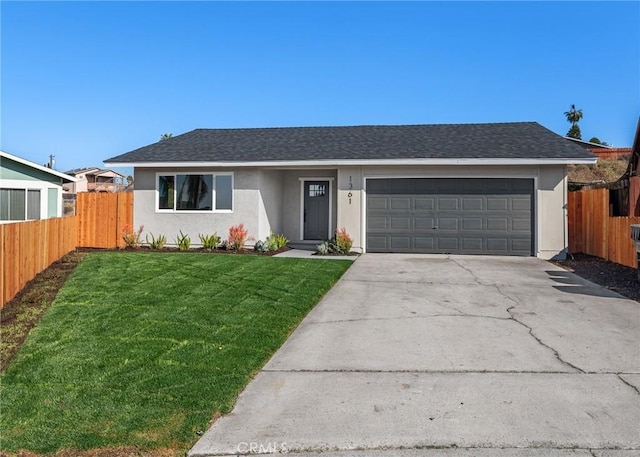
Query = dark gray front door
x=316 y=210
x=457 y=216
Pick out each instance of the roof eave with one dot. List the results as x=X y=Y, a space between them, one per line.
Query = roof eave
x=354 y=162
x=35 y=166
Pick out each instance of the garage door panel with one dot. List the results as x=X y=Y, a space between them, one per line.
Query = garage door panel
x=520 y=204
x=378 y=243
x=499 y=224
x=498 y=245
x=424 y=203
x=473 y=204
x=521 y=225
x=469 y=223
x=401 y=242
x=423 y=223
x=497 y=204
x=377 y=223
x=470 y=215
x=520 y=244
x=375 y=202
x=423 y=243
x=448 y=223
x=448 y=203
x=447 y=244
x=472 y=244
x=400 y=223
x=400 y=203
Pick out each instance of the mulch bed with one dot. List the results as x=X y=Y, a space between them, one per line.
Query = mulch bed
x=195 y=250
x=613 y=276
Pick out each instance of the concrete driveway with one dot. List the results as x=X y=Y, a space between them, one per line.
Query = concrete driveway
x=432 y=355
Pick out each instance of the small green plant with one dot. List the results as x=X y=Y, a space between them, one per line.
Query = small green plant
x=183 y=241
x=261 y=246
x=276 y=241
x=131 y=237
x=156 y=242
x=343 y=241
x=323 y=248
x=237 y=237
x=210 y=242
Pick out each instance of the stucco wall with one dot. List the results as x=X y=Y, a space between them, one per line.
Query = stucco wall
x=552 y=212
x=256 y=197
x=270 y=203
x=270 y=200
x=550 y=197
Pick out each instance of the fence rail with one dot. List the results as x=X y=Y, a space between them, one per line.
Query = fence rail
x=29 y=247
x=592 y=231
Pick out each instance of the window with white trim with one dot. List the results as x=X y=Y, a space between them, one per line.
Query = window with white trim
x=19 y=204
x=195 y=192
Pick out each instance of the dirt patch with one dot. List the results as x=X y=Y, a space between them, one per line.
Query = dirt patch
x=24 y=311
x=613 y=276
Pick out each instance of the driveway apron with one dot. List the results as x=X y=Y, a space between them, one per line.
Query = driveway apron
x=421 y=355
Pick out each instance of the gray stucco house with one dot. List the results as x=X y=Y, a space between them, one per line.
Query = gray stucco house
x=498 y=189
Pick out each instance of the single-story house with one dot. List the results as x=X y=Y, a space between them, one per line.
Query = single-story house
x=498 y=189
x=94 y=179
x=29 y=191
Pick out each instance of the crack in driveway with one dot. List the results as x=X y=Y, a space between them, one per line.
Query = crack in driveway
x=513 y=317
x=533 y=335
x=628 y=383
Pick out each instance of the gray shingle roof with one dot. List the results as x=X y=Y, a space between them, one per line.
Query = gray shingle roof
x=518 y=140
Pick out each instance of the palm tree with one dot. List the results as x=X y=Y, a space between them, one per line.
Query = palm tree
x=573 y=116
x=165 y=136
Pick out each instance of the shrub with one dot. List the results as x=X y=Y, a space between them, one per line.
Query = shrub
x=183 y=241
x=156 y=243
x=323 y=248
x=276 y=241
x=261 y=246
x=237 y=237
x=210 y=242
x=132 y=237
x=343 y=241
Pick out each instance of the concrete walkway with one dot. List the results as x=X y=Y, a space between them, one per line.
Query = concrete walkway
x=426 y=355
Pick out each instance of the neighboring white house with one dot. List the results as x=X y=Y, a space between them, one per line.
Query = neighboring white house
x=94 y=179
x=29 y=191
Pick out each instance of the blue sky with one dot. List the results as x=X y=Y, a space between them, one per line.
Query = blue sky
x=90 y=80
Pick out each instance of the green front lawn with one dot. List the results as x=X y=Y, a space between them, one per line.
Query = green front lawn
x=143 y=349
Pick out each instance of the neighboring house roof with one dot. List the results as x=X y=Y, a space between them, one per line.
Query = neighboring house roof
x=521 y=142
x=64 y=177
x=94 y=171
x=586 y=144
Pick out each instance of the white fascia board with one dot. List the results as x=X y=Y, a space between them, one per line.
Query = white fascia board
x=37 y=167
x=352 y=162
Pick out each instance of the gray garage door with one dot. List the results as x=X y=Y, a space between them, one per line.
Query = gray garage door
x=456 y=216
